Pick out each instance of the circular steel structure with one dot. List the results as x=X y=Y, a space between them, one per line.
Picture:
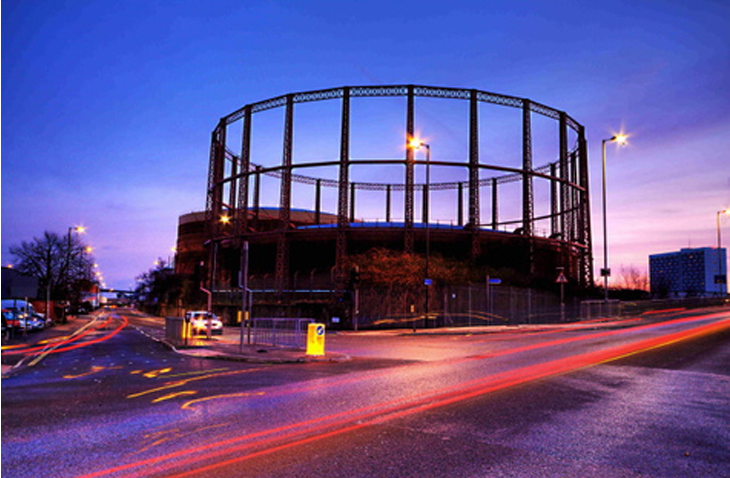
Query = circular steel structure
x=477 y=190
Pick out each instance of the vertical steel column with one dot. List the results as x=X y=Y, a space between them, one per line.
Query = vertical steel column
x=574 y=198
x=282 y=246
x=527 y=197
x=242 y=223
x=257 y=197
x=554 y=216
x=387 y=203
x=460 y=205
x=342 y=222
x=318 y=201
x=584 y=218
x=352 y=202
x=410 y=153
x=565 y=214
x=215 y=194
x=232 y=197
x=495 y=204
x=474 y=213
x=214 y=203
x=575 y=213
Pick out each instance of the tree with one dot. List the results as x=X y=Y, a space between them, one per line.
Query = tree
x=393 y=281
x=160 y=286
x=62 y=264
x=634 y=279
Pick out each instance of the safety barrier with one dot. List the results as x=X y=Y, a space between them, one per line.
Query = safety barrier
x=280 y=332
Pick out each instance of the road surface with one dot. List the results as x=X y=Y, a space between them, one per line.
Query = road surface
x=641 y=398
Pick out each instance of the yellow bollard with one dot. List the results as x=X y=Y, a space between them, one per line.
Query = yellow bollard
x=315 y=339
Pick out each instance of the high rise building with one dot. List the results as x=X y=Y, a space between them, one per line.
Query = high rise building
x=689 y=272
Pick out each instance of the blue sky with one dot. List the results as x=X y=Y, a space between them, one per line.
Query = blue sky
x=108 y=105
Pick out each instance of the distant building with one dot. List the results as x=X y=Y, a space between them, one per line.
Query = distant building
x=18 y=286
x=689 y=272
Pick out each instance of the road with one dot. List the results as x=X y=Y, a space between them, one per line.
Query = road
x=639 y=398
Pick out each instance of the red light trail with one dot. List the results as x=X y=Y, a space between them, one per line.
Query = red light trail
x=297 y=434
x=74 y=341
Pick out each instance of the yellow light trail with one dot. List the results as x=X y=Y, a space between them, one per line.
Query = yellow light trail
x=174 y=395
x=188 y=405
x=179 y=383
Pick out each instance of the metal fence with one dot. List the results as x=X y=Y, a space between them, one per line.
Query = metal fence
x=464 y=306
x=280 y=332
x=598 y=309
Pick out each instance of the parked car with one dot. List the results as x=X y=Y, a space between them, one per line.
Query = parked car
x=35 y=322
x=19 y=305
x=199 y=322
x=47 y=321
x=10 y=323
x=10 y=320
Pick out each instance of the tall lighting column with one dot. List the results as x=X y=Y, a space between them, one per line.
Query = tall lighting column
x=418 y=144
x=78 y=230
x=621 y=139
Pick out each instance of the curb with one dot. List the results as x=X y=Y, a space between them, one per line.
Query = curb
x=205 y=352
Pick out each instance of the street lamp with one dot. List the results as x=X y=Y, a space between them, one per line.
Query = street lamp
x=418 y=144
x=721 y=279
x=621 y=139
x=78 y=230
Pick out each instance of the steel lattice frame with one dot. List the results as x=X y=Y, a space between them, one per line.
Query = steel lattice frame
x=568 y=175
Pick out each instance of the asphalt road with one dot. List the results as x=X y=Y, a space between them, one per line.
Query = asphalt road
x=545 y=403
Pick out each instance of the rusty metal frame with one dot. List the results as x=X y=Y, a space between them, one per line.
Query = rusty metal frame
x=569 y=210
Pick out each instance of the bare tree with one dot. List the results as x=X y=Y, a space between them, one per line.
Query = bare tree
x=63 y=265
x=633 y=279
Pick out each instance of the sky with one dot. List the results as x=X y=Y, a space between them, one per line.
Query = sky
x=108 y=106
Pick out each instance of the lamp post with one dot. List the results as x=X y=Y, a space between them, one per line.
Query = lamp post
x=621 y=139
x=721 y=279
x=78 y=230
x=418 y=144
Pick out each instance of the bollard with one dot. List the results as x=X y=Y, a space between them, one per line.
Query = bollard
x=315 y=339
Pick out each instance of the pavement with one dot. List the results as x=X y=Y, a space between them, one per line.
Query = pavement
x=228 y=345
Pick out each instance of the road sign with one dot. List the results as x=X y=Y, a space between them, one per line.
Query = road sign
x=427 y=282
x=495 y=281
x=561 y=279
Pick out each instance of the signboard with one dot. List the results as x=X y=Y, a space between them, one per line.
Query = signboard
x=495 y=281
x=427 y=282
x=561 y=279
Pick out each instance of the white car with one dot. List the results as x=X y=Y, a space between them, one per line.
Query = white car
x=199 y=322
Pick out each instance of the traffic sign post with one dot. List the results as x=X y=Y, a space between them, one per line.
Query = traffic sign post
x=490 y=282
x=315 y=339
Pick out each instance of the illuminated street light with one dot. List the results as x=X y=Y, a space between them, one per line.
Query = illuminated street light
x=721 y=278
x=77 y=230
x=225 y=219
x=415 y=144
x=620 y=139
